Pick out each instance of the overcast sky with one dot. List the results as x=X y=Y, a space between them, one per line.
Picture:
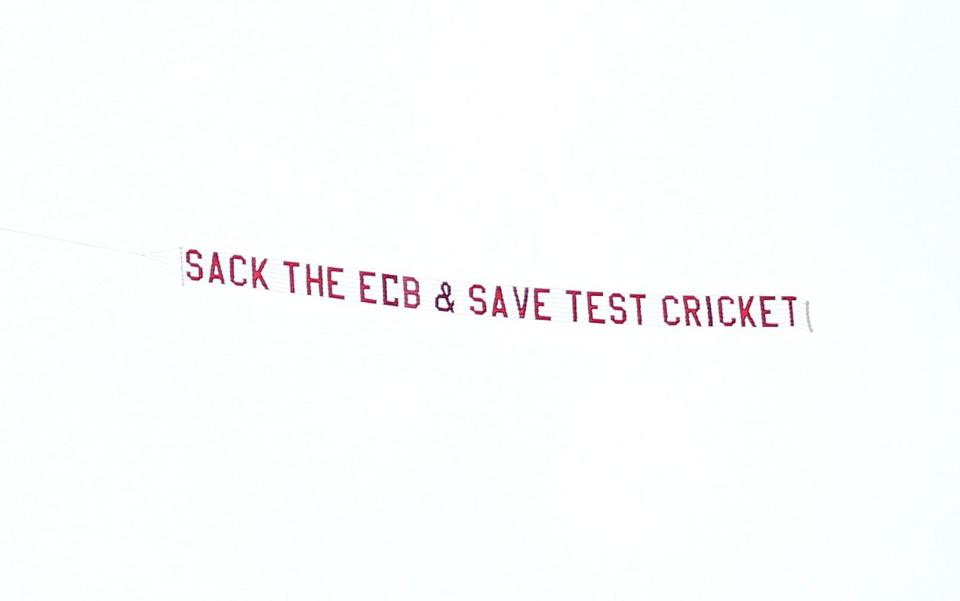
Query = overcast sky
x=160 y=441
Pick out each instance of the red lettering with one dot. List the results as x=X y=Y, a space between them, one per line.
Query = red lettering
x=666 y=318
x=720 y=300
x=483 y=303
x=383 y=283
x=498 y=305
x=521 y=309
x=199 y=276
x=216 y=272
x=291 y=265
x=790 y=300
x=745 y=312
x=591 y=307
x=638 y=298
x=688 y=310
x=332 y=282
x=537 y=303
x=364 y=286
x=233 y=270
x=623 y=312
x=709 y=313
x=764 y=312
x=318 y=280
x=573 y=302
x=257 y=275
x=409 y=292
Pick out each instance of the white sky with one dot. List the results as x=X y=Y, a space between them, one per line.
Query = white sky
x=168 y=442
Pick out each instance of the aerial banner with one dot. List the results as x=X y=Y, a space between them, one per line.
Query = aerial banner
x=491 y=299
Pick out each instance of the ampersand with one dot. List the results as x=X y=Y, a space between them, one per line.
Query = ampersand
x=445 y=297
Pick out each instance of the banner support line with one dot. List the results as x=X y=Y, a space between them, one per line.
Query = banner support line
x=181 y=267
x=809 y=327
x=78 y=243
